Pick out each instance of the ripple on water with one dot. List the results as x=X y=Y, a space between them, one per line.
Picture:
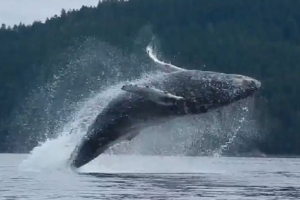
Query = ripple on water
x=238 y=178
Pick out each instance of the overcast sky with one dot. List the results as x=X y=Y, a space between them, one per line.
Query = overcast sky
x=27 y=11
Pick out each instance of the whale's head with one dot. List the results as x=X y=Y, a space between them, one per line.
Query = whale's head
x=214 y=89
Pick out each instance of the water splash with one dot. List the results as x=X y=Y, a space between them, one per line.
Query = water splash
x=168 y=67
x=85 y=70
x=232 y=138
x=54 y=152
x=176 y=137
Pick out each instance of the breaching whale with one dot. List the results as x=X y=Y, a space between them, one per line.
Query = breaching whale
x=177 y=93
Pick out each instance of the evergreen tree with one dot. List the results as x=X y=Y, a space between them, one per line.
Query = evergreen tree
x=256 y=38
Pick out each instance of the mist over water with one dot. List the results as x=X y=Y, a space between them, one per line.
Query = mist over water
x=59 y=113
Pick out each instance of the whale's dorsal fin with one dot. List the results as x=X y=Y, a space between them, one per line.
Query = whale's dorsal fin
x=153 y=94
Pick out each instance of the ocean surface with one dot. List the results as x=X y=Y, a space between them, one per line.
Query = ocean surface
x=152 y=177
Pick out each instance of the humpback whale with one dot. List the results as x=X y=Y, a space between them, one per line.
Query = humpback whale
x=177 y=93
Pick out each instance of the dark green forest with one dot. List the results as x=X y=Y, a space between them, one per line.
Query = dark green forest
x=258 y=38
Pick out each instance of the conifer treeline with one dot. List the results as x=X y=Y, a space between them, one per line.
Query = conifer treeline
x=256 y=38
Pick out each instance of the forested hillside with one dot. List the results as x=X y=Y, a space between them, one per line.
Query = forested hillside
x=255 y=38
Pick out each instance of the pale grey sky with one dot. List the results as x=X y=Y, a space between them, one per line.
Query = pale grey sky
x=27 y=11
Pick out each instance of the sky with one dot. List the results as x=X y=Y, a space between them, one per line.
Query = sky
x=27 y=11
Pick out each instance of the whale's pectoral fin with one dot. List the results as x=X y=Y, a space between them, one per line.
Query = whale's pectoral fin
x=153 y=94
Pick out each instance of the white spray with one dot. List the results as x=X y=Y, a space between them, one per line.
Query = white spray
x=172 y=138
